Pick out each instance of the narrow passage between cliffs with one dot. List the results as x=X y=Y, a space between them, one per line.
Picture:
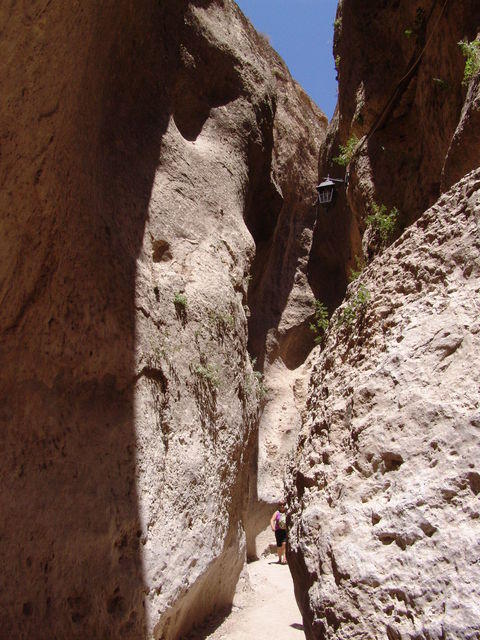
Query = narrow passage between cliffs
x=264 y=607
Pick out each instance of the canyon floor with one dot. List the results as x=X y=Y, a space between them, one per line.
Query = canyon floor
x=265 y=609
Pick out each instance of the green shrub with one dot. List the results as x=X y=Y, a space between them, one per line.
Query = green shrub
x=362 y=297
x=347 y=151
x=382 y=220
x=348 y=315
x=259 y=379
x=418 y=26
x=221 y=321
x=471 y=51
x=209 y=372
x=180 y=300
x=360 y=265
x=355 y=307
x=359 y=118
x=319 y=325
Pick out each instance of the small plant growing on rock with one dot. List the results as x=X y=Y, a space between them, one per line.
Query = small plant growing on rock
x=383 y=221
x=471 y=51
x=418 y=26
x=180 y=301
x=209 y=373
x=355 y=272
x=319 y=325
x=255 y=380
x=347 y=151
x=355 y=307
x=221 y=321
x=262 y=389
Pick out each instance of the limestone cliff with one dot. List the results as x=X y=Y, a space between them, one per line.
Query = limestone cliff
x=385 y=481
x=383 y=487
x=155 y=163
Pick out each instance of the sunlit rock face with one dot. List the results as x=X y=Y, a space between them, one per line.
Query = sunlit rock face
x=383 y=489
x=157 y=162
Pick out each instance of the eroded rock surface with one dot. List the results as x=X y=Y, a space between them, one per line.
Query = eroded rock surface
x=149 y=152
x=384 y=487
x=400 y=73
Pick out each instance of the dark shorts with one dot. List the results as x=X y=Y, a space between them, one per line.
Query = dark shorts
x=280 y=536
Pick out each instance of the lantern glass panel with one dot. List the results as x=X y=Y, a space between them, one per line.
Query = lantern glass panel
x=325 y=195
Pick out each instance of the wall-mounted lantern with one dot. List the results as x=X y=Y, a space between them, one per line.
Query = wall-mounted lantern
x=326 y=190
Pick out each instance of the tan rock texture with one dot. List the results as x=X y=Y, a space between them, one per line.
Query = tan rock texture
x=149 y=152
x=280 y=295
x=384 y=486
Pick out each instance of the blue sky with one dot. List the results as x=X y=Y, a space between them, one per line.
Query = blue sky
x=302 y=33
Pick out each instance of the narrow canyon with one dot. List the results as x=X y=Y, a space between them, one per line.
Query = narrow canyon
x=188 y=338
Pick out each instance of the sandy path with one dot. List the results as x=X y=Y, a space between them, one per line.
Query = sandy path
x=268 y=611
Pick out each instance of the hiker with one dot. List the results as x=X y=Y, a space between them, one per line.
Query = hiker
x=278 y=524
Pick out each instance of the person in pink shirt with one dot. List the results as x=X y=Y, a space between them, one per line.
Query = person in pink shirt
x=278 y=523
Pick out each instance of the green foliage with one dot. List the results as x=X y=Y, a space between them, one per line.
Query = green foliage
x=255 y=380
x=359 y=118
x=360 y=265
x=347 y=151
x=229 y=320
x=471 y=51
x=383 y=221
x=180 y=300
x=260 y=384
x=355 y=307
x=319 y=325
x=418 y=26
x=337 y=25
x=222 y=321
x=362 y=297
x=348 y=315
x=337 y=63
x=209 y=372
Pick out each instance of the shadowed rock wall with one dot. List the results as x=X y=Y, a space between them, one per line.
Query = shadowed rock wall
x=140 y=145
x=415 y=117
x=82 y=118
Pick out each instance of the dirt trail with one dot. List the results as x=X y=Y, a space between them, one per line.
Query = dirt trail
x=267 y=609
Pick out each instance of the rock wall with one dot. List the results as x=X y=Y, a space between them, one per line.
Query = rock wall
x=400 y=73
x=385 y=481
x=151 y=156
x=383 y=486
x=280 y=297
